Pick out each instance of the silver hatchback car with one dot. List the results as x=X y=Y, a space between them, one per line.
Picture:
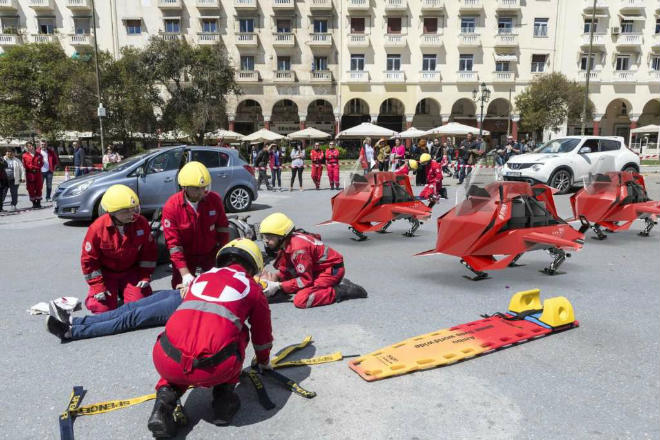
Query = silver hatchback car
x=153 y=176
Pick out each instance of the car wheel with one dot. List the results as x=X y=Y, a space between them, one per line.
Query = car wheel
x=561 y=180
x=630 y=169
x=98 y=210
x=238 y=199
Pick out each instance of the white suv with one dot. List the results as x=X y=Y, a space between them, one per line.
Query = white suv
x=563 y=162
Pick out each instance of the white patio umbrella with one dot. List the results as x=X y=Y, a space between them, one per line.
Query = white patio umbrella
x=647 y=129
x=227 y=135
x=366 y=129
x=411 y=133
x=262 y=135
x=455 y=129
x=308 y=134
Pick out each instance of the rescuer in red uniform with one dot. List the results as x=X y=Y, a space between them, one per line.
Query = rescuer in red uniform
x=408 y=166
x=118 y=253
x=433 y=188
x=306 y=267
x=332 y=163
x=204 y=341
x=34 y=180
x=318 y=157
x=195 y=225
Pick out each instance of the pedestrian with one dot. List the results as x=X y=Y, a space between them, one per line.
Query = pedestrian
x=399 y=154
x=4 y=182
x=366 y=155
x=415 y=150
x=15 y=175
x=118 y=252
x=306 y=268
x=111 y=156
x=78 y=159
x=51 y=160
x=469 y=152
x=420 y=175
x=195 y=225
x=204 y=341
x=253 y=155
x=275 y=164
x=332 y=165
x=297 y=165
x=318 y=158
x=261 y=163
x=33 y=163
x=383 y=155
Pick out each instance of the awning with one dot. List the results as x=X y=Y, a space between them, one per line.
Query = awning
x=506 y=57
x=172 y=18
x=632 y=17
x=588 y=15
x=131 y=19
x=209 y=17
x=9 y=16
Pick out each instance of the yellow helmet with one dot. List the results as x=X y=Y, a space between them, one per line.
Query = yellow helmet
x=413 y=164
x=119 y=197
x=246 y=250
x=426 y=157
x=194 y=174
x=276 y=224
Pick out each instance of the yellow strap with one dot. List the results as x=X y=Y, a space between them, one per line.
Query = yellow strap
x=110 y=405
x=286 y=351
x=337 y=356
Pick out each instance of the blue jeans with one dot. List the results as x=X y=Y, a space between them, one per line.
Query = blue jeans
x=151 y=311
x=48 y=181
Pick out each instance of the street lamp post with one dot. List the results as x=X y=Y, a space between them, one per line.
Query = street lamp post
x=482 y=95
x=101 y=110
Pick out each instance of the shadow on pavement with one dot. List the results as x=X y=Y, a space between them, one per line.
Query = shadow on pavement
x=78 y=223
x=254 y=207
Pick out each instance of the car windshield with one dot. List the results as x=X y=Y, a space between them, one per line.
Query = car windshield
x=119 y=166
x=558 y=146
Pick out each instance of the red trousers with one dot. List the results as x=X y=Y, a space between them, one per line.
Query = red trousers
x=431 y=189
x=322 y=292
x=34 y=183
x=333 y=174
x=317 y=172
x=172 y=374
x=117 y=284
x=205 y=262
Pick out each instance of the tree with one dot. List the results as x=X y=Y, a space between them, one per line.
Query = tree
x=549 y=101
x=197 y=80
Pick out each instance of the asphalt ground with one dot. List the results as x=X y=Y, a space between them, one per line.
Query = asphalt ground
x=598 y=381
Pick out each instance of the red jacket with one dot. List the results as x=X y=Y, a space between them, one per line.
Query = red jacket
x=33 y=163
x=106 y=249
x=317 y=156
x=402 y=171
x=53 y=159
x=433 y=172
x=213 y=314
x=191 y=233
x=302 y=260
x=332 y=156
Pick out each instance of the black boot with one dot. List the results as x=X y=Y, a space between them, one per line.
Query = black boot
x=58 y=328
x=161 y=422
x=34 y=204
x=349 y=290
x=39 y=204
x=225 y=404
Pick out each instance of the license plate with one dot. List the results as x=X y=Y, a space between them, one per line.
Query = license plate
x=514 y=173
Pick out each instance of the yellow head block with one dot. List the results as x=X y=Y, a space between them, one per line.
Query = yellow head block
x=557 y=311
x=525 y=300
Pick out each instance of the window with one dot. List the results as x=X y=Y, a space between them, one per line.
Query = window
x=81 y=25
x=283 y=63
x=393 y=63
x=623 y=62
x=540 y=27
x=246 y=25
x=430 y=25
x=587 y=25
x=210 y=26
x=46 y=26
x=609 y=145
x=9 y=25
x=538 y=63
x=208 y=158
x=583 y=62
x=320 y=26
x=504 y=25
x=357 y=25
x=626 y=26
x=247 y=62
x=468 y=24
x=283 y=26
x=357 y=62
x=655 y=63
x=592 y=144
x=394 y=25
x=173 y=26
x=320 y=63
x=133 y=27
x=169 y=160
x=502 y=66
x=657 y=25
x=465 y=62
x=428 y=62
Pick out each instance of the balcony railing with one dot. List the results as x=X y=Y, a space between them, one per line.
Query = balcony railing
x=600 y=4
x=465 y=76
x=9 y=39
x=171 y=36
x=357 y=76
x=396 y=5
x=245 y=4
x=358 y=5
x=632 y=4
x=8 y=5
x=358 y=40
x=466 y=5
x=594 y=76
x=284 y=76
x=320 y=76
x=282 y=4
x=599 y=39
x=320 y=39
x=208 y=37
x=505 y=39
x=395 y=40
x=430 y=40
x=654 y=76
x=81 y=40
x=170 y=4
x=320 y=5
x=394 y=76
x=246 y=39
x=43 y=38
x=283 y=39
x=212 y=4
x=432 y=5
x=508 y=5
x=504 y=77
x=429 y=76
x=624 y=76
x=41 y=4
x=655 y=43
x=469 y=39
x=79 y=4
x=247 y=76
x=629 y=39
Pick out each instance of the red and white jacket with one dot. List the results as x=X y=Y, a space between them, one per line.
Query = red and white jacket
x=317 y=157
x=332 y=156
x=433 y=172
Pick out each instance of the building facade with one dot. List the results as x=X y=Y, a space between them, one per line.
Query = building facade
x=399 y=63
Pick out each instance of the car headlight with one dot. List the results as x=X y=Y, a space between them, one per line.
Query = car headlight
x=537 y=166
x=80 y=188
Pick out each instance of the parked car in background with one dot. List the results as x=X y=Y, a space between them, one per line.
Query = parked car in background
x=563 y=163
x=153 y=176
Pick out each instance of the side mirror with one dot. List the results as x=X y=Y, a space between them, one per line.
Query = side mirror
x=585 y=150
x=140 y=171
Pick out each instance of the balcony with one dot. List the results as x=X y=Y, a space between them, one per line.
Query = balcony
x=503 y=77
x=79 y=5
x=320 y=40
x=632 y=5
x=358 y=40
x=430 y=40
x=465 y=76
x=245 y=5
x=358 y=5
x=594 y=76
x=506 y=40
x=469 y=39
x=207 y=4
x=629 y=40
x=655 y=44
x=599 y=40
x=208 y=38
x=170 y=4
x=284 y=76
x=589 y=4
x=320 y=5
x=41 y=4
x=394 y=76
x=508 y=5
x=81 y=40
x=357 y=76
x=247 y=76
x=396 y=5
x=320 y=76
x=654 y=76
x=8 y=5
x=624 y=76
x=43 y=38
x=284 y=39
x=470 y=5
x=283 y=5
x=171 y=36
x=9 y=40
x=246 y=39
x=429 y=77
x=394 y=40
x=432 y=5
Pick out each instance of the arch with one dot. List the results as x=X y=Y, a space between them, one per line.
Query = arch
x=650 y=113
x=464 y=111
x=391 y=114
x=320 y=115
x=249 y=117
x=427 y=114
x=356 y=111
x=498 y=108
x=284 y=117
x=496 y=119
x=616 y=120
